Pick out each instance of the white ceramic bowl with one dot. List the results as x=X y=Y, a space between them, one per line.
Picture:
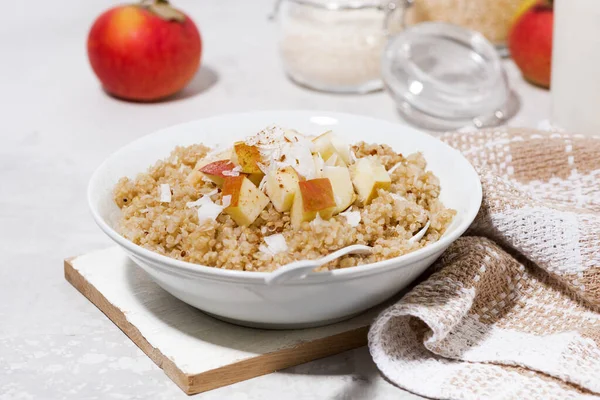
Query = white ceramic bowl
x=320 y=298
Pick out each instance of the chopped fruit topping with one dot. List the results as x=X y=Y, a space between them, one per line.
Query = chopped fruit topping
x=281 y=186
x=342 y=186
x=216 y=171
x=165 y=193
x=247 y=157
x=329 y=144
x=314 y=196
x=369 y=175
x=256 y=178
x=323 y=145
x=246 y=202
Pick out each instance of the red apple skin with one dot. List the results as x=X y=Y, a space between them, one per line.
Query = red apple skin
x=216 y=168
x=530 y=44
x=139 y=56
x=317 y=194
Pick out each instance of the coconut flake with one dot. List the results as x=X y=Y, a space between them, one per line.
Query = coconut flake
x=263 y=183
x=204 y=199
x=299 y=157
x=317 y=221
x=165 y=193
x=266 y=137
x=394 y=168
x=263 y=167
x=419 y=235
x=292 y=135
x=319 y=165
x=230 y=173
x=275 y=244
x=352 y=217
x=200 y=202
x=264 y=249
x=280 y=148
x=226 y=201
x=235 y=171
x=209 y=211
x=398 y=197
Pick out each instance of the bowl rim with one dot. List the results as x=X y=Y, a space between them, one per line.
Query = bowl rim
x=259 y=277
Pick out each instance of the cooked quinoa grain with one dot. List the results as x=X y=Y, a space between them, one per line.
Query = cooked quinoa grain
x=173 y=229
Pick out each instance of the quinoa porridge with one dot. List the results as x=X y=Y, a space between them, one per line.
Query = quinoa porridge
x=280 y=196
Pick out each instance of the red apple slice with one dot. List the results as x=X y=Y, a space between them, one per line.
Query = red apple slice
x=314 y=196
x=214 y=170
x=246 y=202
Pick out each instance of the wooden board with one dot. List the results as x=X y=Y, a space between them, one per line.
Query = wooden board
x=196 y=351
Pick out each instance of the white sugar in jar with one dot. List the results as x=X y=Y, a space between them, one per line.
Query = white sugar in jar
x=335 y=46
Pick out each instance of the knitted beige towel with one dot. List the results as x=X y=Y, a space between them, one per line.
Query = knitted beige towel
x=512 y=310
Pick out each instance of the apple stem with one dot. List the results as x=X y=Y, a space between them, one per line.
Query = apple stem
x=163 y=9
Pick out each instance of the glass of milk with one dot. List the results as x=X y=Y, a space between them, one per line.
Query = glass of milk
x=575 y=83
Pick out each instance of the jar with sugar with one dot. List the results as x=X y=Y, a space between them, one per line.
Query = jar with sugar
x=335 y=46
x=441 y=75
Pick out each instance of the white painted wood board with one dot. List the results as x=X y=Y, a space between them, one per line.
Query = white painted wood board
x=196 y=351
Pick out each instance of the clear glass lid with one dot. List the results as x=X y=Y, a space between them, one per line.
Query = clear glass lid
x=443 y=76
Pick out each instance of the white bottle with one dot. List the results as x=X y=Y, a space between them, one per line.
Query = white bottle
x=575 y=82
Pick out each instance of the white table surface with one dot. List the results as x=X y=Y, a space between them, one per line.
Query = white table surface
x=57 y=126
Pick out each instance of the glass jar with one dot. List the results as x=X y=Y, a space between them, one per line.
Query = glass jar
x=335 y=46
x=491 y=18
x=443 y=76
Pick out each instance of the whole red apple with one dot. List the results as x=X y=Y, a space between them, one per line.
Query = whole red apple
x=530 y=43
x=144 y=51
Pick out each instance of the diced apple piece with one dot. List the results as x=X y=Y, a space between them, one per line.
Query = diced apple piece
x=341 y=183
x=281 y=186
x=212 y=157
x=247 y=201
x=256 y=178
x=335 y=161
x=342 y=148
x=323 y=145
x=329 y=144
x=195 y=178
x=247 y=157
x=369 y=175
x=214 y=170
x=313 y=196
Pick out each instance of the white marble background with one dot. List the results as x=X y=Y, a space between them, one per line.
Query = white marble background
x=57 y=126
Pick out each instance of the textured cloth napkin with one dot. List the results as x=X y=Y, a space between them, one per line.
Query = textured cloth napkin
x=512 y=309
